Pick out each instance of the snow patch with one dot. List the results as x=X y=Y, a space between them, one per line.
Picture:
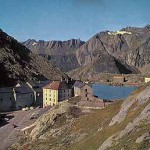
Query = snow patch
x=119 y=32
x=34 y=43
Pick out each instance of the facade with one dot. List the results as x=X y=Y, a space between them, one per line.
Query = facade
x=7 y=101
x=37 y=87
x=147 y=79
x=84 y=90
x=119 y=79
x=55 y=92
x=24 y=96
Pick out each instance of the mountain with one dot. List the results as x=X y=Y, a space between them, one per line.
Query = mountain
x=122 y=125
x=17 y=63
x=59 y=53
x=125 y=51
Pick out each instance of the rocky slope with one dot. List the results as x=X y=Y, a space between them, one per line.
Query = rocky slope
x=123 y=125
x=124 y=51
x=17 y=63
x=59 y=53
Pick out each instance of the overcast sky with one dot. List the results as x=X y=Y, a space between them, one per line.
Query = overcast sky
x=67 y=19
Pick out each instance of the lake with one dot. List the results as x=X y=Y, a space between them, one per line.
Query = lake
x=112 y=92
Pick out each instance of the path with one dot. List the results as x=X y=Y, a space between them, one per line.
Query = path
x=9 y=134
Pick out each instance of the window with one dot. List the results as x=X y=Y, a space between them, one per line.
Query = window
x=85 y=90
x=64 y=91
x=10 y=98
x=1 y=99
x=31 y=95
x=50 y=99
x=86 y=95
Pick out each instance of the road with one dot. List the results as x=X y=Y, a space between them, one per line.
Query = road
x=9 y=134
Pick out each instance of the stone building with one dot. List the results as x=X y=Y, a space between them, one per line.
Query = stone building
x=147 y=79
x=24 y=96
x=37 y=87
x=55 y=92
x=84 y=90
x=87 y=98
x=119 y=79
x=7 y=101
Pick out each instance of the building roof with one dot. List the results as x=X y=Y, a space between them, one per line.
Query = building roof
x=37 y=86
x=23 y=88
x=57 y=85
x=6 y=90
x=78 y=84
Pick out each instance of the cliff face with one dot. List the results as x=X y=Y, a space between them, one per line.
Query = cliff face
x=122 y=125
x=59 y=53
x=129 y=46
x=17 y=63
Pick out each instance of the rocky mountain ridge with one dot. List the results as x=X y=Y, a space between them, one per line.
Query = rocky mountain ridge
x=125 y=51
x=59 y=53
x=17 y=63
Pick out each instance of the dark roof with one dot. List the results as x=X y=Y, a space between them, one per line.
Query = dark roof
x=42 y=84
x=78 y=84
x=23 y=88
x=57 y=85
x=6 y=90
x=37 y=86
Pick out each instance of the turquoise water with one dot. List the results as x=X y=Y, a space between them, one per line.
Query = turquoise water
x=112 y=92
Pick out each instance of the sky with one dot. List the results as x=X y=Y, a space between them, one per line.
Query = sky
x=68 y=19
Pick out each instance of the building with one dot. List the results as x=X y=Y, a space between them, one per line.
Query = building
x=24 y=96
x=147 y=79
x=55 y=92
x=84 y=90
x=87 y=98
x=7 y=101
x=37 y=87
x=119 y=79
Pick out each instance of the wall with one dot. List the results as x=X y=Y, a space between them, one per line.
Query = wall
x=147 y=80
x=50 y=97
x=87 y=93
x=38 y=98
x=24 y=100
x=119 y=79
x=7 y=102
x=77 y=91
x=64 y=94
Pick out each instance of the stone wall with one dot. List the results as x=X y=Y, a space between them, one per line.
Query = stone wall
x=24 y=100
x=7 y=102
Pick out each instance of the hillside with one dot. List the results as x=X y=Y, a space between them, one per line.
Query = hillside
x=123 y=125
x=125 y=51
x=59 y=53
x=17 y=63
